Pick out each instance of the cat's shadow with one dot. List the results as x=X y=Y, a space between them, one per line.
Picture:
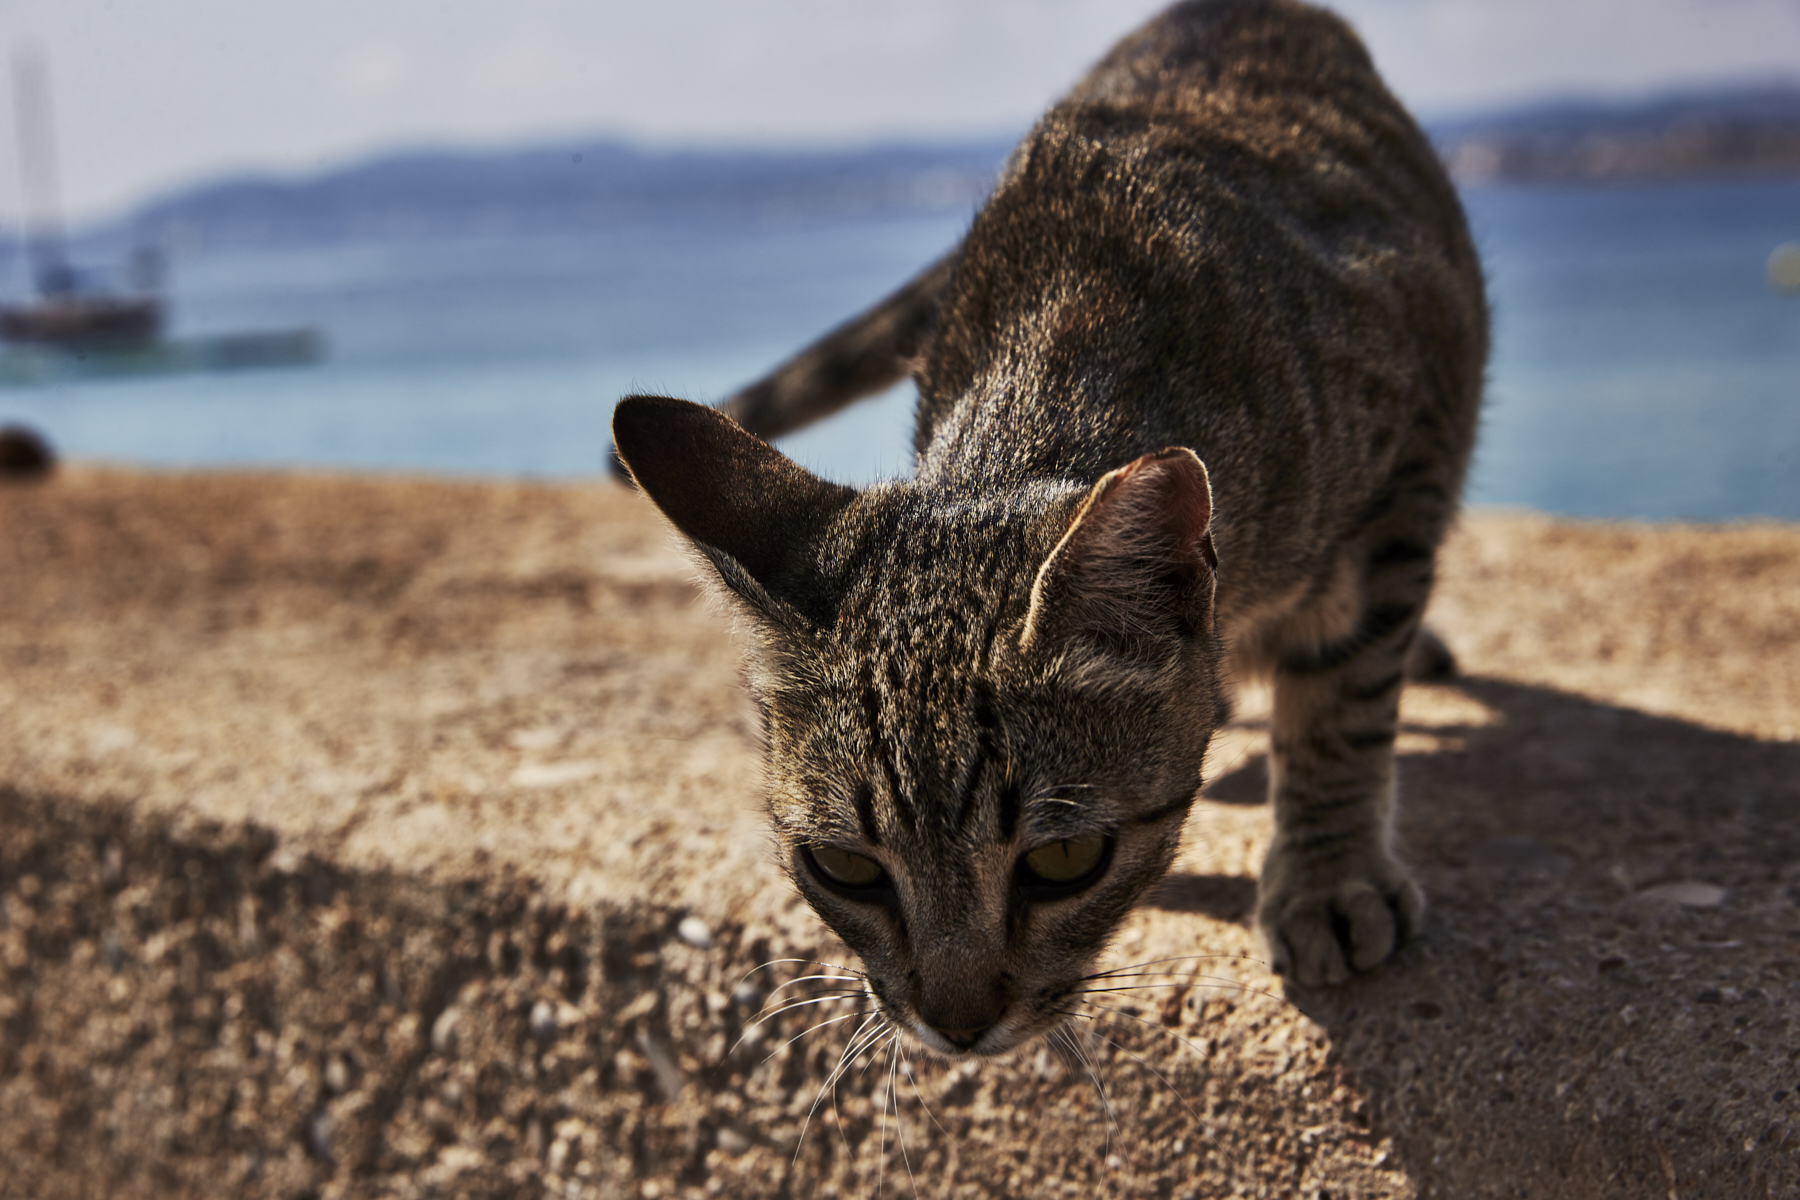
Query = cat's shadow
x=1247 y=785
x=1221 y=897
x=1229 y=898
x=1599 y=990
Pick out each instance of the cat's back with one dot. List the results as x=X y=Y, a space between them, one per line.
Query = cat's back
x=1246 y=90
x=1228 y=236
x=1197 y=55
x=1221 y=140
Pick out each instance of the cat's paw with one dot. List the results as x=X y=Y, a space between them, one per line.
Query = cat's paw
x=1323 y=920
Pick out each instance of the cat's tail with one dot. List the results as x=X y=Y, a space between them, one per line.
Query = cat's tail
x=864 y=355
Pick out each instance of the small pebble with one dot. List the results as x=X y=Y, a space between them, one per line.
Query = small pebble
x=113 y=950
x=662 y=1063
x=643 y=1006
x=112 y=865
x=694 y=932
x=318 y=1136
x=443 y=1030
x=337 y=1076
x=543 y=1022
x=1687 y=893
x=731 y=1141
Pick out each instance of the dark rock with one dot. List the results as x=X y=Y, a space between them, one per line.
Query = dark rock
x=24 y=454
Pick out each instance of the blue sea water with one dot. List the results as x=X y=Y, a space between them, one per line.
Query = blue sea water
x=1642 y=366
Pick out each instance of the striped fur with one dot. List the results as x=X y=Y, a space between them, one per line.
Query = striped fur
x=1196 y=396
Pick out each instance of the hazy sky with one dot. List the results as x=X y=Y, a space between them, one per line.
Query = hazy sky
x=155 y=93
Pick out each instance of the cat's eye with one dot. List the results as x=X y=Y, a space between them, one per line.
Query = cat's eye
x=1066 y=862
x=845 y=867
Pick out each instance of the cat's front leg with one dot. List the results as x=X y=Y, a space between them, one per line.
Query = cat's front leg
x=1334 y=899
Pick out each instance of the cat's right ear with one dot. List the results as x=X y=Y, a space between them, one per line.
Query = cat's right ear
x=753 y=512
x=1132 y=577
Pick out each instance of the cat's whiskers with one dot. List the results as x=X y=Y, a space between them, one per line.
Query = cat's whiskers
x=1092 y=1029
x=790 y=1005
x=881 y=1158
x=864 y=1043
x=1145 y=1022
x=859 y=1041
x=801 y=962
x=853 y=979
x=914 y=1080
x=1139 y=1059
x=858 y=990
x=837 y=1115
x=1157 y=962
x=849 y=973
x=808 y=1030
x=892 y=1042
x=848 y=1056
x=1114 y=981
x=771 y=1008
x=1112 y=1118
x=1068 y=1037
x=1064 y=1035
x=899 y=1126
x=1214 y=982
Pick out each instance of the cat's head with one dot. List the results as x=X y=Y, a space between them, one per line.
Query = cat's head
x=985 y=715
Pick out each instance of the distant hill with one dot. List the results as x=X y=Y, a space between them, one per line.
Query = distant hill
x=1745 y=130
x=1737 y=131
x=569 y=186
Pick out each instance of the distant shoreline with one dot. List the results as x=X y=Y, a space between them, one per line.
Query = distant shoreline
x=1748 y=131
x=1752 y=131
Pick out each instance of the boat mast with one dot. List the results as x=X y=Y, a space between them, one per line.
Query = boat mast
x=45 y=246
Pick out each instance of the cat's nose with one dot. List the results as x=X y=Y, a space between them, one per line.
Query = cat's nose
x=961 y=999
x=962 y=1039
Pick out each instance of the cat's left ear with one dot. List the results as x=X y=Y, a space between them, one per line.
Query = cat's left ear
x=753 y=512
x=1132 y=578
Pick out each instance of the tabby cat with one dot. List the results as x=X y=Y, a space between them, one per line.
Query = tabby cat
x=1196 y=396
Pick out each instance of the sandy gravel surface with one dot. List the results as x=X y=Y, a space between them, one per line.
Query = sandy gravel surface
x=369 y=838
